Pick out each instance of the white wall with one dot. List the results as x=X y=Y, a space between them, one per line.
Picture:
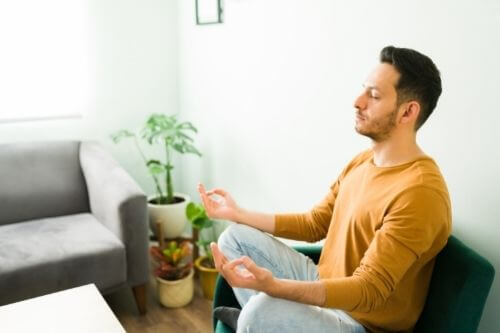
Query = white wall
x=272 y=89
x=133 y=55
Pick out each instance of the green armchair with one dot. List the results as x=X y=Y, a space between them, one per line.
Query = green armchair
x=459 y=287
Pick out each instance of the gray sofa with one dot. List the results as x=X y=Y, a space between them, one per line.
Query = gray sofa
x=69 y=215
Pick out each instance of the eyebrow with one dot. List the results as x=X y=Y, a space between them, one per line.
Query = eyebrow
x=371 y=87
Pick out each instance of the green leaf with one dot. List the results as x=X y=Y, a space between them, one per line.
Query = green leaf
x=159 y=127
x=178 y=147
x=184 y=136
x=163 y=134
x=191 y=149
x=208 y=223
x=188 y=126
x=146 y=134
x=155 y=167
x=193 y=211
x=202 y=222
x=199 y=223
x=121 y=134
x=197 y=215
x=160 y=121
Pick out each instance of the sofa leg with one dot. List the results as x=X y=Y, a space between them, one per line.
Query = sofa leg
x=140 y=297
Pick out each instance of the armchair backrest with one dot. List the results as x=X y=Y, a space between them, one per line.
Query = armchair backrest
x=41 y=179
x=460 y=284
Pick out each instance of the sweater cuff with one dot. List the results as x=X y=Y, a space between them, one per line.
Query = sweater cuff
x=280 y=225
x=342 y=293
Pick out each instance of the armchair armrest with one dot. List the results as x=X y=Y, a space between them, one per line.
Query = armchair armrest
x=118 y=203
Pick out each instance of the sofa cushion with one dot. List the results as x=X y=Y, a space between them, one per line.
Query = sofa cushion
x=47 y=255
x=41 y=179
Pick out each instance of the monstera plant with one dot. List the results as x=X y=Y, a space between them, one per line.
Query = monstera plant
x=172 y=136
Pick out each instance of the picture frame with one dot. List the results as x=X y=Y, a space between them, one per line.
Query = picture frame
x=208 y=12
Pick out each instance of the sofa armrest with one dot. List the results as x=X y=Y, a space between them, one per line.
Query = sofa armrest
x=118 y=203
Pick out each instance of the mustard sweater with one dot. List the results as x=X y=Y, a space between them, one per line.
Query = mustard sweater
x=383 y=228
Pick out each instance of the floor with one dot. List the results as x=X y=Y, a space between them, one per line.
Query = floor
x=193 y=318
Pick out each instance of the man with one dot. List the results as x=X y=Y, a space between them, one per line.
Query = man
x=384 y=220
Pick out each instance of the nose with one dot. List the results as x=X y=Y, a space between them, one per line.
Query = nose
x=360 y=102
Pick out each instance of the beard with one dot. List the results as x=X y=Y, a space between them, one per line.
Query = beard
x=378 y=129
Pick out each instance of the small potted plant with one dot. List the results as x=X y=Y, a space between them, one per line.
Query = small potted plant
x=206 y=230
x=174 y=273
x=166 y=206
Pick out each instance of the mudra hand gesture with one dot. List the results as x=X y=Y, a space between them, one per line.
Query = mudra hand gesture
x=218 y=203
x=243 y=272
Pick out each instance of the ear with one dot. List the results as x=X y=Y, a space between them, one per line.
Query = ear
x=410 y=113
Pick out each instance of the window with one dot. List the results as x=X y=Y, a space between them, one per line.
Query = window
x=44 y=59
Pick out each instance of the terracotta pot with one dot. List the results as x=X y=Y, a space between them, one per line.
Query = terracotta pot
x=174 y=294
x=208 y=277
x=172 y=216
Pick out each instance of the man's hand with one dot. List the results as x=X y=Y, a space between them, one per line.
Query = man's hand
x=224 y=208
x=242 y=272
x=220 y=205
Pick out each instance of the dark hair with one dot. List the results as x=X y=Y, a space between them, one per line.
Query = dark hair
x=419 y=79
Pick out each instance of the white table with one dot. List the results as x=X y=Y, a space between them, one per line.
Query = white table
x=80 y=309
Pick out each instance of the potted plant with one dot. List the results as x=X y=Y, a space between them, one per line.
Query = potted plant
x=166 y=206
x=174 y=273
x=206 y=230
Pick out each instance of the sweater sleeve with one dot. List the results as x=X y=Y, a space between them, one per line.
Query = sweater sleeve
x=311 y=226
x=418 y=220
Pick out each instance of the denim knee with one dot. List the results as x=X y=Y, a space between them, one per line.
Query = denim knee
x=235 y=233
x=261 y=314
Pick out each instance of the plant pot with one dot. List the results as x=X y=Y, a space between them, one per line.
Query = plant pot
x=208 y=277
x=172 y=216
x=174 y=294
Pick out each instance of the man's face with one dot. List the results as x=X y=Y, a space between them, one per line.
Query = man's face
x=376 y=107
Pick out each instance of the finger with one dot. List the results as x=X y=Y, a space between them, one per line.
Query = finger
x=219 y=259
x=201 y=188
x=236 y=274
x=219 y=191
x=205 y=195
x=204 y=201
x=233 y=263
x=245 y=274
x=221 y=255
x=217 y=252
x=212 y=193
x=207 y=202
x=237 y=266
x=250 y=265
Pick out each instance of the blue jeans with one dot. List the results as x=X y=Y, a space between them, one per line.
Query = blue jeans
x=263 y=313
